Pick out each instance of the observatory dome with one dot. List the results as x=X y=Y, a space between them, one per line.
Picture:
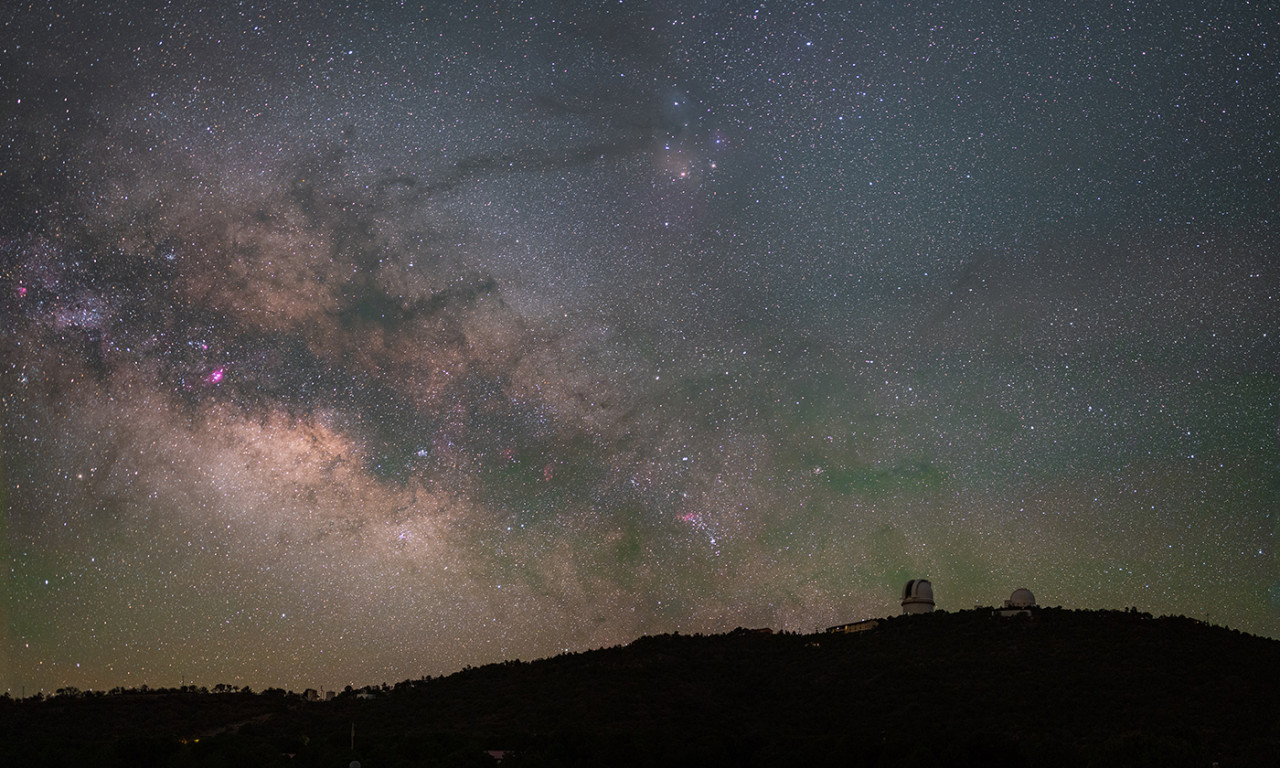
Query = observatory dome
x=1021 y=598
x=917 y=596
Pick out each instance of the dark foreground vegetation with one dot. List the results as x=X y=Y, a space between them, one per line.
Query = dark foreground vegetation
x=1062 y=688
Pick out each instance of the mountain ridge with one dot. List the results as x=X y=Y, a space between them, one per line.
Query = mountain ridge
x=1058 y=687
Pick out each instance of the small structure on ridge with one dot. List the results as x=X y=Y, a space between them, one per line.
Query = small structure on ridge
x=917 y=597
x=1020 y=603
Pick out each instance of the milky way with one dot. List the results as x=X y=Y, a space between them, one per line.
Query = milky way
x=363 y=345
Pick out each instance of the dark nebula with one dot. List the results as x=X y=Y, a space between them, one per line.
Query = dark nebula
x=357 y=345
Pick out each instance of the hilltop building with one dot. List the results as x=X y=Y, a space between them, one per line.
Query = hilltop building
x=917 y=597
x=1020 y=603
x=858 y=626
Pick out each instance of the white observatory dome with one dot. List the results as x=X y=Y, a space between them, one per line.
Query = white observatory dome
x=917 y=596
x=1021 y=598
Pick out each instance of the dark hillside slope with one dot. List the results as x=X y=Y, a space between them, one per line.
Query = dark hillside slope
x=1060 y=684
x=1064 y=688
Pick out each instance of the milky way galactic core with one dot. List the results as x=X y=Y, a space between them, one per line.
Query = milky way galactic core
x=360 y=345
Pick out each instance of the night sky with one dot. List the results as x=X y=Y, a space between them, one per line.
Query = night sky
x=362 y=345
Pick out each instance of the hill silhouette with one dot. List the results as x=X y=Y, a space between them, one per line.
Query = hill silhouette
x=1059 y=688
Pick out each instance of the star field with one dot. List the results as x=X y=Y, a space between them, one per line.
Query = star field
x=358 y=345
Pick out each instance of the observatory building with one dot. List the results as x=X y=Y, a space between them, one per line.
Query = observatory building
x=1019 y=603
x=917 y=597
